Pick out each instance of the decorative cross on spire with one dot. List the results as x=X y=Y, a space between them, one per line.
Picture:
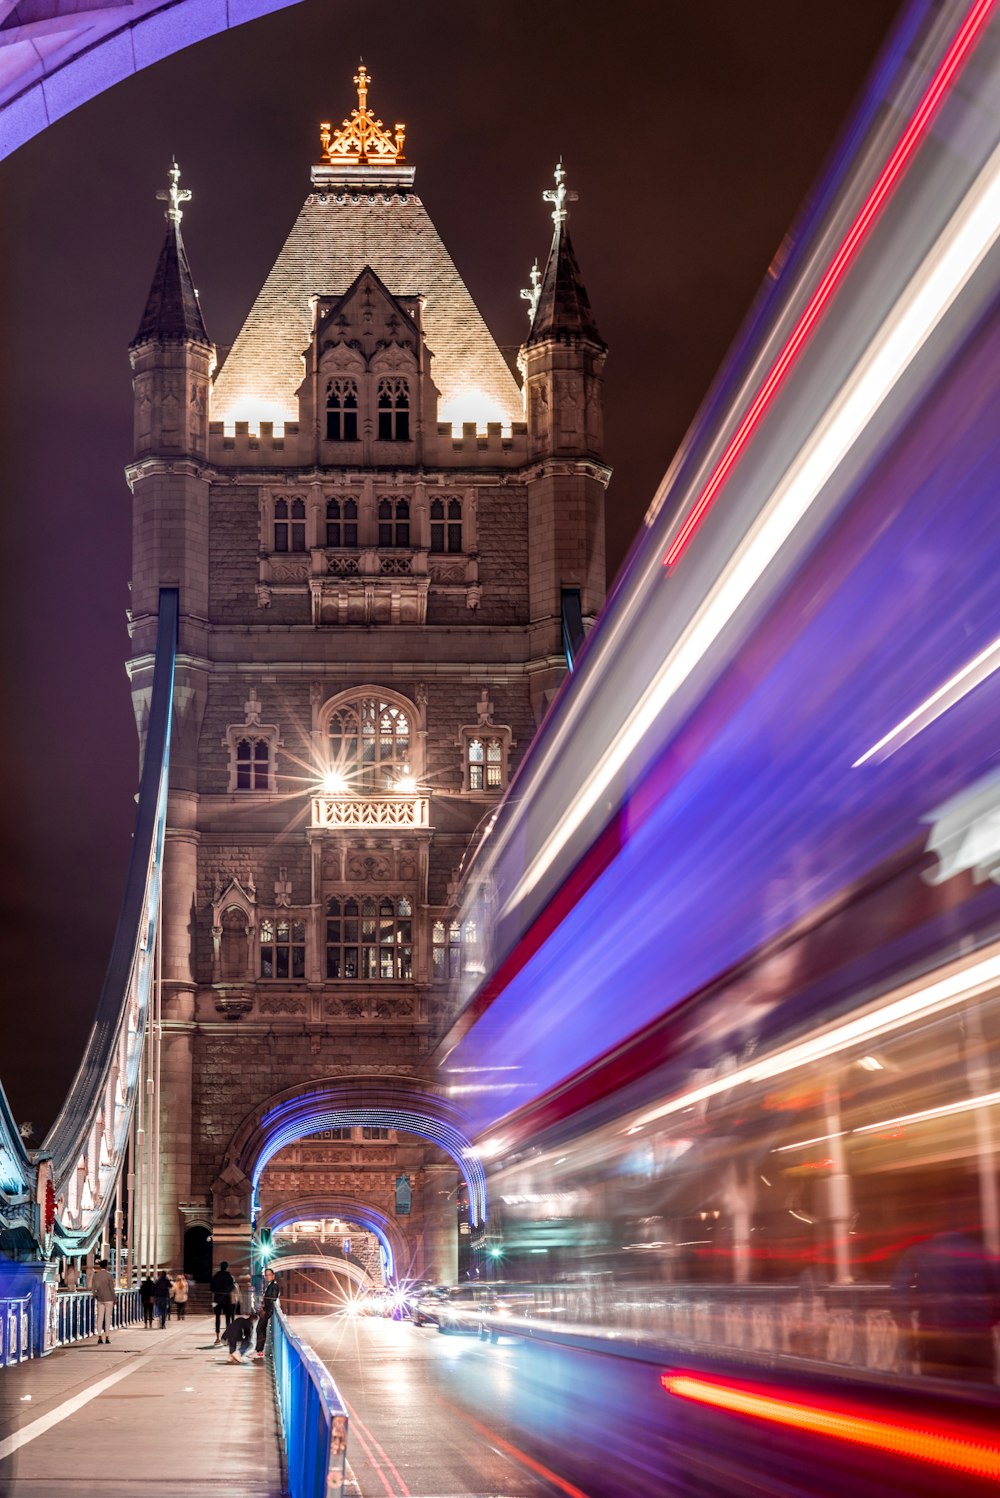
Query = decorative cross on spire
x=173 y=195
x=559 y=196
x=530 y=294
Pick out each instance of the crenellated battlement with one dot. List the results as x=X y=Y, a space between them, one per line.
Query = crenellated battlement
x=291 y=447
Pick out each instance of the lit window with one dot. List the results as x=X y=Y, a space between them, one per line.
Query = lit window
x=289 y=525
x=393 y=410
x=282 y=949
x=342 y=411
x=253 y=764
x=446 y=525
x=484 y=764
x=451 y=943
x=369 y=744
x=342 y=522
x=394 y=522
x=370 y=938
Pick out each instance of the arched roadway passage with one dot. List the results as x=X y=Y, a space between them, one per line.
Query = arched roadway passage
x=314 y=1260
x=309 y=1208
x=384 y=1102
x=59 y=53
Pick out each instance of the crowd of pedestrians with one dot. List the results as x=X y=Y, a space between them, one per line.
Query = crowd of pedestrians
x=159 y=1293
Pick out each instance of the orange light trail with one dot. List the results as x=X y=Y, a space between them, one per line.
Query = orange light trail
x=962 y=46
x=972 y=1454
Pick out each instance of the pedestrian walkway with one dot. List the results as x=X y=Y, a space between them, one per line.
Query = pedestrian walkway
x=158 y=1413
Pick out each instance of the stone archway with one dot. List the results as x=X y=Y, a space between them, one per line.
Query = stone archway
x=326 y=1103
x=391 y=1234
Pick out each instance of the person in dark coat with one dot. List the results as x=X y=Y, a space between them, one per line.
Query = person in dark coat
x=146 y=1292
x=161 y=1298
x=239 y=1333
x=222 y=1287
x=268 y=1301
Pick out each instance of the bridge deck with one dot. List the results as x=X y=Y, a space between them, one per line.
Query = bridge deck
x=159 y=1412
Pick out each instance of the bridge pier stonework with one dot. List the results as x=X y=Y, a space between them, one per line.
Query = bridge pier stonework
x=369 y=547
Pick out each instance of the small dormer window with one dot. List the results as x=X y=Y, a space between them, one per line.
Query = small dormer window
x=394 y=522
x=289 y=525
x=342 y=411
x=446 y=525
x=342 y=522
x=393 y=410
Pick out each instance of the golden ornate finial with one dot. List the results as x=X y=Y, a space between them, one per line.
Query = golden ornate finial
x=362 y=140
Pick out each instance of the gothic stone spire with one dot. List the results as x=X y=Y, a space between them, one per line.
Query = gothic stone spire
x=172 y=311
x=563 y=307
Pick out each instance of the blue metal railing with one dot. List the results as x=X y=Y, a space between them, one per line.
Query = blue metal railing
x=75 y=1313
x=15 y=1329
x=312 y=1413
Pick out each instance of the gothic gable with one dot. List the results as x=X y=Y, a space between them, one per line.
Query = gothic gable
x=368 y=327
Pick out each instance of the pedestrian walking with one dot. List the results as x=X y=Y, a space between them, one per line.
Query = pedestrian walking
x=268 y=1302
x=223 y=1286
x=102 y=1287
x=161 y=1297
x=71 y=1276
x=239 y=1333
x=146 y=1292
x=179 y=1291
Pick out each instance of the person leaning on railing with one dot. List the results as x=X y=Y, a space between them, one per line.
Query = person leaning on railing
x=268 y=1301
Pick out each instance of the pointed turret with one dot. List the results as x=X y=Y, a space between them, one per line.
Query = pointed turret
x=562 y=307
x=562 y=360
x=172 y=310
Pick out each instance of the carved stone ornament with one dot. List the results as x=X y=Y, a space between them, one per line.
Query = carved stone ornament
x=233 y=1003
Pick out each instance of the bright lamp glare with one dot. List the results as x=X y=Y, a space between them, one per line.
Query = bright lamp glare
x=333 y=783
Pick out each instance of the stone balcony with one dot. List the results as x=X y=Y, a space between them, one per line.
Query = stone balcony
x=396 y=811
x=369 y=585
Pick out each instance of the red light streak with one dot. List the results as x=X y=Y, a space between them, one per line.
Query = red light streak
x=969 y=1452
x=962 y=46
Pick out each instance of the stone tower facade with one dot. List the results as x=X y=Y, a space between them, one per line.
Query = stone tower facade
x=374 y=533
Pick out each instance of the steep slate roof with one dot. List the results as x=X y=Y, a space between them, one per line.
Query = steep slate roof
x=563 y=309
x=330 y=243
x=173 y=312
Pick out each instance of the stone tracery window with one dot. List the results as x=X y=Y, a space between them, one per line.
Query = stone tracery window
x=342 y=410
x=253 y=764
x=282 y=948
x=451 y=942
x=484 y=764
x=446 y=525
x=394 y=522
x=342 y=523
x=289 y=525
x=393 y=410
x=369 y=743
x=369 y=937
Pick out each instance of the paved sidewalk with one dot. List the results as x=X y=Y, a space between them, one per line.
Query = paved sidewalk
x=157 y=1413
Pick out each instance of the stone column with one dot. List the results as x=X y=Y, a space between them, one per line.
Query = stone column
x=440 y=1224
x=180 y=876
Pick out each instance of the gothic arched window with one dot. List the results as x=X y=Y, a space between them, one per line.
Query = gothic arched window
x=446 y=525
x=484 y=764
x=393 y=410
x=253 y=764
x=234 y=945
x=289 y=525
x=451 y=943
x=394 y=522
x=369 y=938
x=369 y=743
x=342 y=522
x=342 y=410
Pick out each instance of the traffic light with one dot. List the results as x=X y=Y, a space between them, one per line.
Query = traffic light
x=264 y=1242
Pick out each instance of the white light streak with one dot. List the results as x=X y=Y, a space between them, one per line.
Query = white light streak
x=802 y=1144
x=936 y=705
x=946 y=1110
x=967 y=982
x=972 y=230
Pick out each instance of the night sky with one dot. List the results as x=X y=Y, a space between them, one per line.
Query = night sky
x=692 y=133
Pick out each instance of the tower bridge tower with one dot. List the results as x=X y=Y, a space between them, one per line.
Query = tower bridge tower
x=371 y=528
